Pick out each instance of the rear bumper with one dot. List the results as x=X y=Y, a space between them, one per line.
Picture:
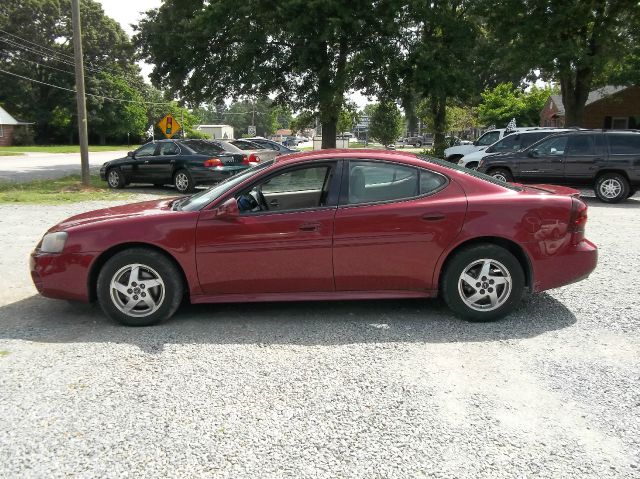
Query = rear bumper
x=63 y=275
x=563 y=266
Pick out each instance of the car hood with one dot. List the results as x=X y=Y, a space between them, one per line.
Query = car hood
x=462 y=149
x=134 y=210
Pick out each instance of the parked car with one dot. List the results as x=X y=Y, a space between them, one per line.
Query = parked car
x=272 y=145
x=455 y=141
x=417 y=140
x=359 y=224
x=247 y=147
x=184 y=163
x=608 y=161
x=512 y=142
x=454 y=153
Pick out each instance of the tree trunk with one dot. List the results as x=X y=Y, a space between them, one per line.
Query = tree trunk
x=575 y=92
x=329 y=131
x=409 y=107
x=103 y=139
x=438 y=106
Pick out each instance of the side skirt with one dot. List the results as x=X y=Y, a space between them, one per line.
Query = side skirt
x=312 y=296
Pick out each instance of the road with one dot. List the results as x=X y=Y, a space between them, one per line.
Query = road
x=42 y=166
x=366 y=389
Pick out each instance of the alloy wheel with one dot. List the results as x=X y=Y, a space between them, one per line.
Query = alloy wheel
x=499 y=177
x=610 y=188
x=114 y=179
x=485 y=285
x=137 y=290
x=182 y=182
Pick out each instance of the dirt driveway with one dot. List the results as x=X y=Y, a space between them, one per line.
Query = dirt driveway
x=348 y=389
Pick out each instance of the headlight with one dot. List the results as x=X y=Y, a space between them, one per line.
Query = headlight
x=54 y=242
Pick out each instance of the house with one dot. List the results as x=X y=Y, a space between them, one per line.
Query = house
x=220 y=132
x=610 y=107
x=8 y=127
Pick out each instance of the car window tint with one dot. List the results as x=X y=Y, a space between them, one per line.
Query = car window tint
x=168 y=148
x=508 y=143
x=488 y=138
x=430 y=182
x=266 y=145
x=628 y=144
x=146 y=150
x=579 y=145
x=203 y=147
x=528 y=139
x=377 y=181
x=553 y=146
x=246 y=145
x=303 y=179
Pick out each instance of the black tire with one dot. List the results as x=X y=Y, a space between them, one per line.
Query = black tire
x=417 y=144
x=454 y=158
x=165 y=297
x=115 y=178
x=472 y=165
x=507 y=296
x=612 y=188
x=632 y=192
x=501 y=174
x=183 y=181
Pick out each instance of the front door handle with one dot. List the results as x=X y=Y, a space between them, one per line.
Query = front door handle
x=309 y=227
x=433 y=216
x=273 y=203
x=146 y=161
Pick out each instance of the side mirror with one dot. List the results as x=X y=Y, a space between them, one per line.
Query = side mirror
x=228 y=210
x=131 y=154
x=533 y=154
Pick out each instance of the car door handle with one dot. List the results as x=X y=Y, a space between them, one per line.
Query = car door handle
x=309 y=227
x=273 y=203
x=146 y=161
x=433 y=216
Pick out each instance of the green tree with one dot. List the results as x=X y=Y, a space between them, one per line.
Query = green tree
x=348 y=117
x=576 y=43
x=38 y=45
x=308 y=56
x=386 y=123
x=504 y=102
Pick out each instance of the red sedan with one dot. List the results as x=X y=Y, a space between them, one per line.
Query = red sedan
x=341 y=224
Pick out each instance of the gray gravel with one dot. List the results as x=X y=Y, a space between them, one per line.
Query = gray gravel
x=347 y=389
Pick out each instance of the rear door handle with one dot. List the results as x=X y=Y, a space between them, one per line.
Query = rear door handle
x=433 y=216
x=309 y=227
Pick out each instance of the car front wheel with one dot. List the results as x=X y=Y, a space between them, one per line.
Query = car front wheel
x=115 y=178
x=612 y=188
x=502 y=174
x=483 y=282
x=183 y=181
x=139 y=287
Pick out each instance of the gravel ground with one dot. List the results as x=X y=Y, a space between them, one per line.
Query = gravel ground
x=347 y=389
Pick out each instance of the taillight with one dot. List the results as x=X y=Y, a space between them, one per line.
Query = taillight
x=577 y=220
x=252 y=158
x=212 y=162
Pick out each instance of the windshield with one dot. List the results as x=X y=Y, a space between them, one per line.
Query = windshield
x=199 y=200
x=203 y=147
x=477 y=174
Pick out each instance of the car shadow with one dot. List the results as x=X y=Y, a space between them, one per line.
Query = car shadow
x=304 y=323
x=593 y=202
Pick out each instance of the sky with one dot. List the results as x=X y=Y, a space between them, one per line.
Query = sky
x=128 y=12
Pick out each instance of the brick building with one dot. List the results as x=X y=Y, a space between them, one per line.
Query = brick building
x=611 y=107
x=8 y=127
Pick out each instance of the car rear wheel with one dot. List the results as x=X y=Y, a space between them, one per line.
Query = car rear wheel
x=183 y=181
x=115 y=178
x=139 y=287
x=417 y=144
x=483 y=282
x=502 y=174
x=612 y=188
x=472 y=165
x=454 y=158
x=631 y=193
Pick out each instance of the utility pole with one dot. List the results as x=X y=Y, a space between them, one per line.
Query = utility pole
x=80 y=97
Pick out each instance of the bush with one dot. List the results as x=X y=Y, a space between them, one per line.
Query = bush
x=23 y=136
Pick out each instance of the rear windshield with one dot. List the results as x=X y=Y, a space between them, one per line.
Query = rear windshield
x=246 y=145
x=462 y=169
x=203 y=147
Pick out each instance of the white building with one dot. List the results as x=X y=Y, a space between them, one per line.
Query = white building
x=219 y=132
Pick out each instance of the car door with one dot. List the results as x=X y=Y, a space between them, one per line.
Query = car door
x=543 y=161
x=270 y=249
x=141 y=168
x=392 y=224
x=163 y=162
x=585 y=154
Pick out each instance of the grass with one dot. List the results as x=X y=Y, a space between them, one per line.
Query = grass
x=4 y=353
x=9 y=153
x=16 y=150
x=63 y=190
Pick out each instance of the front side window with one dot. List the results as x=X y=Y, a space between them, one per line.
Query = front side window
x=146 y=150
x=293 y=189
x=371 y=181
x=552 y=147
x=489 y=138
x=580 y=145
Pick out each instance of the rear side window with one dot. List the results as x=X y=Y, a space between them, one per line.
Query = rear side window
x=430 y=182
x=581 y=145
x=628 y=144
x=246 y=145
x=371 y=182
x=202 y=147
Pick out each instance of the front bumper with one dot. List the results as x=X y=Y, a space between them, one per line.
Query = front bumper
x=62 y=275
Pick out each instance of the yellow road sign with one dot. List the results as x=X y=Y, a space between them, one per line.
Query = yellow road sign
x=169 y=126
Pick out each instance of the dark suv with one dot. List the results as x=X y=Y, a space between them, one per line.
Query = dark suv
x=608 y=161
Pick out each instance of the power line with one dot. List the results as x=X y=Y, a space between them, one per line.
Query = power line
x=88 y=94
x=13 y=59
